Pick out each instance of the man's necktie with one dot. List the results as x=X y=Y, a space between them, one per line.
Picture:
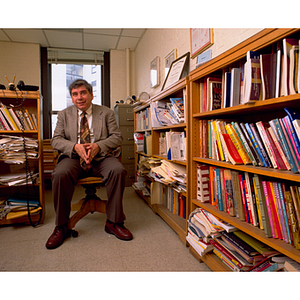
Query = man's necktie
x=85 y=136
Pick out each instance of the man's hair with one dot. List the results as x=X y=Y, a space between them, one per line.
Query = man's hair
x=79 y=82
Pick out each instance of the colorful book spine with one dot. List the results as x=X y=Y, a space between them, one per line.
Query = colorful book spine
x=247 y=126
x=265 y=189
x=286 y=148
x=230 y=130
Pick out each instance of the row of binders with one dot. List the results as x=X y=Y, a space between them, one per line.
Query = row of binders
x=17 y=119
x=274 y=144
x=237 y=250
x=272 y=206
x=262 y=76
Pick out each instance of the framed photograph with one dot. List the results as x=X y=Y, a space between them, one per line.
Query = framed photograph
x=169 y=59
x=154 y=72
x=179 y=68
x=201 y=39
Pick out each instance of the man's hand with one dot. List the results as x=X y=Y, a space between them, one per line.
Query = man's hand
x=87 y=151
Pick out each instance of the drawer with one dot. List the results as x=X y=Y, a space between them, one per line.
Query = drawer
x=130 y=168
x=127 y=154
x=127 y=133
x=124 y=115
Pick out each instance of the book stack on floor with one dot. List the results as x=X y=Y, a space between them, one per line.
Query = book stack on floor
x=263 y=76
x=273 y=144
x=272 y=206
x=237 y=250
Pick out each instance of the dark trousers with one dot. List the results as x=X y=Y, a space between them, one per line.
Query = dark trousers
x=65 y=177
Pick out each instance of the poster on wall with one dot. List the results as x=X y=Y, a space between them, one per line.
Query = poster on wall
x=201 y=39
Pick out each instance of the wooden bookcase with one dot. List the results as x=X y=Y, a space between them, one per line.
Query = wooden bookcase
x=177 y=90
x=262 y=110
x=31 y=102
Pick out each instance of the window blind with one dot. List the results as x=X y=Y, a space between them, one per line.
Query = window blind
x=69 y=56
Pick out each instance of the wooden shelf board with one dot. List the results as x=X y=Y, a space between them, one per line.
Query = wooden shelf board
x=177 y=223
x=275 y=173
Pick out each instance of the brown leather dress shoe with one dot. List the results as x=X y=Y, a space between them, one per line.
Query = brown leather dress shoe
x=58 y=236
x=118 y=230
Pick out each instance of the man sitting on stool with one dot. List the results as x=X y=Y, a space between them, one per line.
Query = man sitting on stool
x=89 y=140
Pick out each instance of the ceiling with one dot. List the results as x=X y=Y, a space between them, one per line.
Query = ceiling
x=104 y=39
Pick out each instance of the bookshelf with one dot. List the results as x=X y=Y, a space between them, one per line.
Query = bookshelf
x=261 y=110
x=144 y=124
x=31 y=103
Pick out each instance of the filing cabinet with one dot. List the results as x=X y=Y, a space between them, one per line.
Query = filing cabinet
x=125 y=120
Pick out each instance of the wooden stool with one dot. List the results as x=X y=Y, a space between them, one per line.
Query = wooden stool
x=89 y=204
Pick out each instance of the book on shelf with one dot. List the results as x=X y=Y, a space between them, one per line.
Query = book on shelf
x=260 y=247
x=244 y=142
x=251 y=200
x=268 y=65
x=215 y=95
x=288 y=43
x=291 y=266
x=293 y=75
x=210 y=84
x=256 y=138
x=236 y=141
x=228 y=191
x=178 y=108
x=252 y=78
x=219 y=222
x=4 y=122
x=8 y=117
x=264 y=223
x=275 y=124
x=238 y=202
x=235 y=86
x=293 y=220
x=232 y=153
x=202 y=182
x=218 y=139
x=199 y=245
x=289 y=143
x=227 y=90
x=250 y=254
x=270 y=145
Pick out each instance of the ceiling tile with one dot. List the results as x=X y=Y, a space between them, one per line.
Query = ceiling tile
x=64 y=39
x=134 y=32
x=3 y=36
x=105 y=31
x=127 y=42
x=27 y=36
x=99 y=42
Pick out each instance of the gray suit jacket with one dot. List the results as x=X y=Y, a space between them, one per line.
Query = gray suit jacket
x=106 y=132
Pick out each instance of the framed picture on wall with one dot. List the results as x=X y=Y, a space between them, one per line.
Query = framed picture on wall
x=169 y=59
x=179 y=68
x=154 y=72
x=201 y=39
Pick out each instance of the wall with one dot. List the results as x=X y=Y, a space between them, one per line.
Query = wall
x=20 y=59
x=160 y=42
x=117 y=76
